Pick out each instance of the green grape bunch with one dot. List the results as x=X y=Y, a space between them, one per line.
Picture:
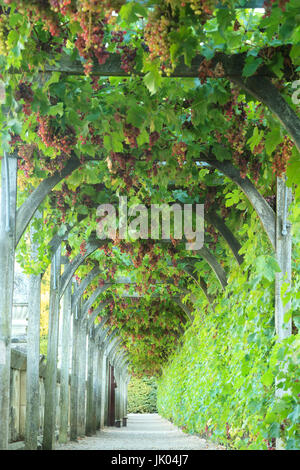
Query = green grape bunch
x=3 y=34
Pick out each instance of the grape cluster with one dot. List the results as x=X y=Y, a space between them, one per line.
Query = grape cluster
x=82 y=248
x=103 y=7
x=90 y=45
x=205 y=71
x=62 y=6
x=208 y=70
x=117 y=37
x=128 y=56
x=268 y=5
x=68 y=249
x=281 y=156
x=255 y=167
x=61 y=203
x=3 y=34
x=236 y=137
x=131 y=133
x=39 y=11
x=96 y=139
x=179 y=150
x=92 y=15
x=26 y=164
x=201 y=8
x=53 y=136
x=271 y=200
x=24 y=91
x=63 y=199
x=157 y=39
x=153 y=138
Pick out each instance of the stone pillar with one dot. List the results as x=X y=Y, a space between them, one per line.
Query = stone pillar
x=122 y=400
x=33 y=352
x=95 y=386
x=52 y=353
x=98 y=385
x=65 y=365
x=74 y=376
x=284 y=259
x=7 y=259
x=126 y=396
x=82 y=376
x=103 y=409
x=90 y=384
x=107 y=392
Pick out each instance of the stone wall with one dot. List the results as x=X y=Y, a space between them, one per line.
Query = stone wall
x=18 y=395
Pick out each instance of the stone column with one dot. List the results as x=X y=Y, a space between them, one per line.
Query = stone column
x=65 y=365
x=82 y=376
x=90 y=384
x=74 y=376
x=95 y=386
x=107 y=392
x=98 y=386
x=33 y=351
x=103 y=409
x=7 y=260
x=284 y=259
x=52 y=354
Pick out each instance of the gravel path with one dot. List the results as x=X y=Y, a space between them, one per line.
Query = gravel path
x=143 y=432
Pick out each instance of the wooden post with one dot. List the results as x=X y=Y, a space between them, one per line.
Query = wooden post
x=33 y=350
x=126 y=394
x=74 y=375
x=107 y=392
x=284 y=259
x=7 y=260
x=122 y=401
x=103 y=389
x=82 y=376
x=65 y=365
x=52 y=350
x=112 y=409
x=90 y=384
x=96 y=386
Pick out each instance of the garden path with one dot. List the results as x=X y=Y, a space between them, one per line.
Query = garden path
x=143 y=432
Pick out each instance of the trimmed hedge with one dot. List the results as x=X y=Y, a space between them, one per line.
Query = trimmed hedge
x=142 y=395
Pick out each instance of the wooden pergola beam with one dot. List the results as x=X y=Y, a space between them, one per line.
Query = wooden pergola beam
x=232 y=65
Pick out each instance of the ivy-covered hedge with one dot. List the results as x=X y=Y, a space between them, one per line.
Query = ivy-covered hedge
x=142 y=395
x=221 y=383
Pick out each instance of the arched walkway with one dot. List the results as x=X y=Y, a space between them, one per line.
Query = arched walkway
x=143 y=432
x=186 y=113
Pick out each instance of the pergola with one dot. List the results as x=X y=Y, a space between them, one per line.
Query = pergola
x=99 y=346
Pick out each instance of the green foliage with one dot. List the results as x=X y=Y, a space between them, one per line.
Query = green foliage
x=221 y=383
x=142 y=395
